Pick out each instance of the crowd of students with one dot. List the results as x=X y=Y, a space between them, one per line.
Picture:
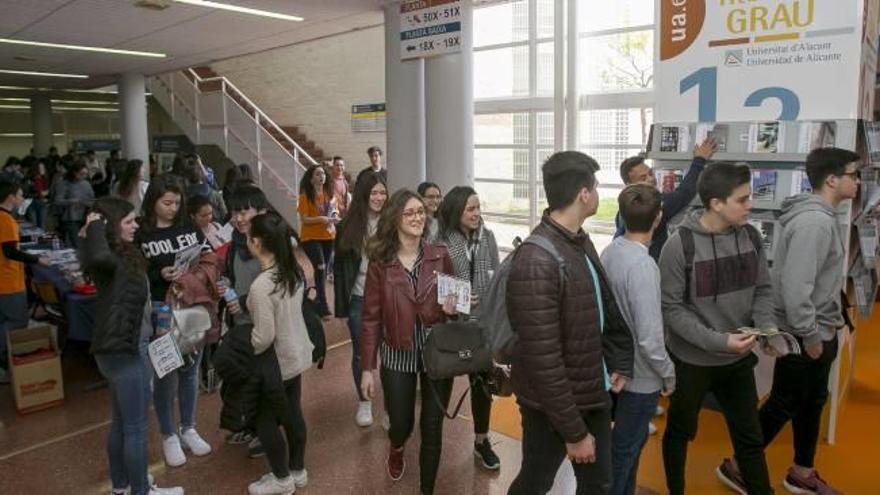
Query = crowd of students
x=600 y=338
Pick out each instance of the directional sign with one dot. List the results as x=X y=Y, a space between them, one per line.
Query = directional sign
x=429 y=27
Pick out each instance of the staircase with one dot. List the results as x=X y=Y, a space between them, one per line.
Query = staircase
x=212 y=111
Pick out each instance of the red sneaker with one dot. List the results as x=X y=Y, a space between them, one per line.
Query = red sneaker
x=813 y=484
x=396 y=464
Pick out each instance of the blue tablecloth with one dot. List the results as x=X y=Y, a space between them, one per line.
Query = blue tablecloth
x=78 y=308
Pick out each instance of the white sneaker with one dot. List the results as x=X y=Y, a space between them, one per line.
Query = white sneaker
x=270 y=485
x=127 y=491
x=171 y=490
x=300 y=478
x=659 y=411
x=386 y=422
x=194 y=443
x=364 y=416
x=651 y=428
x=174 y=455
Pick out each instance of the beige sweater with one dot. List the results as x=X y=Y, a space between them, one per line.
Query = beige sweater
x=278 y=319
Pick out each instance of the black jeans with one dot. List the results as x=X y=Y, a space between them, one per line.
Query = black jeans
x=800 y=389
x=481 y=403
x=400 y=400
x=284 y=458
x=543 y=451
x=734 y=387
x=319 y=253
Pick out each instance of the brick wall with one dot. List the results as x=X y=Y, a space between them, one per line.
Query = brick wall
x=312 y=85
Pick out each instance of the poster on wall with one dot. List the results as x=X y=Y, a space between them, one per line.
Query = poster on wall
x=368 y=117
x=761 y=60
x=430 y=27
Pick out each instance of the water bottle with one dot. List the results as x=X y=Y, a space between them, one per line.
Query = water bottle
x=163 y=319
x=56 y=243
x=230 y=295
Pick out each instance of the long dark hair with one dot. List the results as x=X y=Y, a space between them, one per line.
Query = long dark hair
x=275 y=235
x=452 y=207
x=383 y=246
x=353 y=229
x=129 y=177
x=114 y=210
x=159 y=187
x=306 y=187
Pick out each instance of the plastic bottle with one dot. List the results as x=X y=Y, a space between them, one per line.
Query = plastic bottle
x=56 y=243
x=230 y=295
x=163 y=319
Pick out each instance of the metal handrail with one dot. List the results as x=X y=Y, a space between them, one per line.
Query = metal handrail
x=260 y=114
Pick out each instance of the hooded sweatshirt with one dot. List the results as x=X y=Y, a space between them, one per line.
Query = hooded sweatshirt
x=808 y=267
x=729 y=288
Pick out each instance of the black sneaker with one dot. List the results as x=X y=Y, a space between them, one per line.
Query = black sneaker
x=483 y=451
x=255 y=449
x=239 y=437
x=729 y=474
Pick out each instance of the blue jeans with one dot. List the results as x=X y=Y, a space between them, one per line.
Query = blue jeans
x=129 y=379
x=634 y=412
x=187 y=380
x=355 y=308
x=13 y=315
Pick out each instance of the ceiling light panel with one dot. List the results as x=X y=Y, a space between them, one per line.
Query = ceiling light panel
x=240 y=9
x=42 y=74
x=82 y=48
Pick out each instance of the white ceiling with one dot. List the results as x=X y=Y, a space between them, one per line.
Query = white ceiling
x=189 y=35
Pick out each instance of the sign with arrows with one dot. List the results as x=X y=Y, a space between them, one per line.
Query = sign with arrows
x=429 y=27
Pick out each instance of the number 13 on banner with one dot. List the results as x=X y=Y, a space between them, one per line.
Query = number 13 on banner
x=706 y=82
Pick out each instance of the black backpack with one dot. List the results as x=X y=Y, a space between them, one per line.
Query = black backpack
x=315 y=328
x=687 y=246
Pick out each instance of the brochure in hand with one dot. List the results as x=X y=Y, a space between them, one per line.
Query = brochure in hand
x=783 y=343
x=447 y=284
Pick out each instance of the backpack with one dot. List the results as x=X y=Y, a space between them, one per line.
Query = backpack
x=494 y=317
x=687 y=246
x=315 y=328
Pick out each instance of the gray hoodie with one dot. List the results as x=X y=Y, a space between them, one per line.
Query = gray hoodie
x=740 y=295
x=807 y=272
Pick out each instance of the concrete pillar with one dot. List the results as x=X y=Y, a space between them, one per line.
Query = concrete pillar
x=41 y=123
x=133 y=119
x=449 y=111
x=405 y=104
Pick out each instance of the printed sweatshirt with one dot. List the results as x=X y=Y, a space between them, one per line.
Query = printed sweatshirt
x=160 y=246
x=729 y=288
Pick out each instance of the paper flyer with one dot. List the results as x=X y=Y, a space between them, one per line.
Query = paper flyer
x=164 y=355
x=447 y=284
x=766 y=137
x=764 y=185
x=187 y=258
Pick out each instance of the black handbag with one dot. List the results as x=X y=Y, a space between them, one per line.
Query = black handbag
x=456 y=348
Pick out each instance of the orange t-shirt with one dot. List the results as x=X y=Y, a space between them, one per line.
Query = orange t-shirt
x=320 y=208
x=11 y=272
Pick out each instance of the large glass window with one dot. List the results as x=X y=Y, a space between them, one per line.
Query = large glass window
x=515 y=84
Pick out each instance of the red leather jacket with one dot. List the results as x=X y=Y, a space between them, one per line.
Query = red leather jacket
x=391 y=306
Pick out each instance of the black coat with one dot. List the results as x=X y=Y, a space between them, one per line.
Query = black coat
x=346 y=266
x=251 y=383
x=123 y=292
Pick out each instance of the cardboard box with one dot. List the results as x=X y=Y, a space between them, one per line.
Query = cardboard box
x=35 y=366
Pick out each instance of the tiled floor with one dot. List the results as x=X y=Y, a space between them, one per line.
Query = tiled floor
x=61 y=450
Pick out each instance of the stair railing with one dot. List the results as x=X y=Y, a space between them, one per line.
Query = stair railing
x=214 y=111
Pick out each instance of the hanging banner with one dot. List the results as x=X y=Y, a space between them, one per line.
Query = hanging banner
x=734 y=60
x=429 y=27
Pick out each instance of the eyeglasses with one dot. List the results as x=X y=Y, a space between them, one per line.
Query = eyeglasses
x=852 y=175
x=412 y=213
x=434 y=196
